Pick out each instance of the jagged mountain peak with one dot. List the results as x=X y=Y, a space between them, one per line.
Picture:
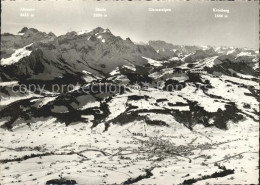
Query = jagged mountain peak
x=128 y=39
x=25 y=29
x=51 y=34
x=98 y=30
x=108 y=30
x=70 y=33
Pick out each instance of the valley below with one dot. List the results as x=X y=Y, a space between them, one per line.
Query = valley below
x=123 y=155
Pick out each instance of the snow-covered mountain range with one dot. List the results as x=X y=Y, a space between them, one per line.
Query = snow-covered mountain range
x=118 y=84
x=99 y=56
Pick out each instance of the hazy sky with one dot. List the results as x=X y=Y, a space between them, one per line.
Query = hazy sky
x=191 y=23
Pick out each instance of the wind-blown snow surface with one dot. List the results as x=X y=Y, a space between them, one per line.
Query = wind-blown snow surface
x=16 y=56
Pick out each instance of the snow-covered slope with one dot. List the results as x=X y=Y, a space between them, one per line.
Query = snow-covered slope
x=16 y=56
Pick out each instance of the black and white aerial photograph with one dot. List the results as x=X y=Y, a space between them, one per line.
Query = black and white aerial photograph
x=129 y=92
